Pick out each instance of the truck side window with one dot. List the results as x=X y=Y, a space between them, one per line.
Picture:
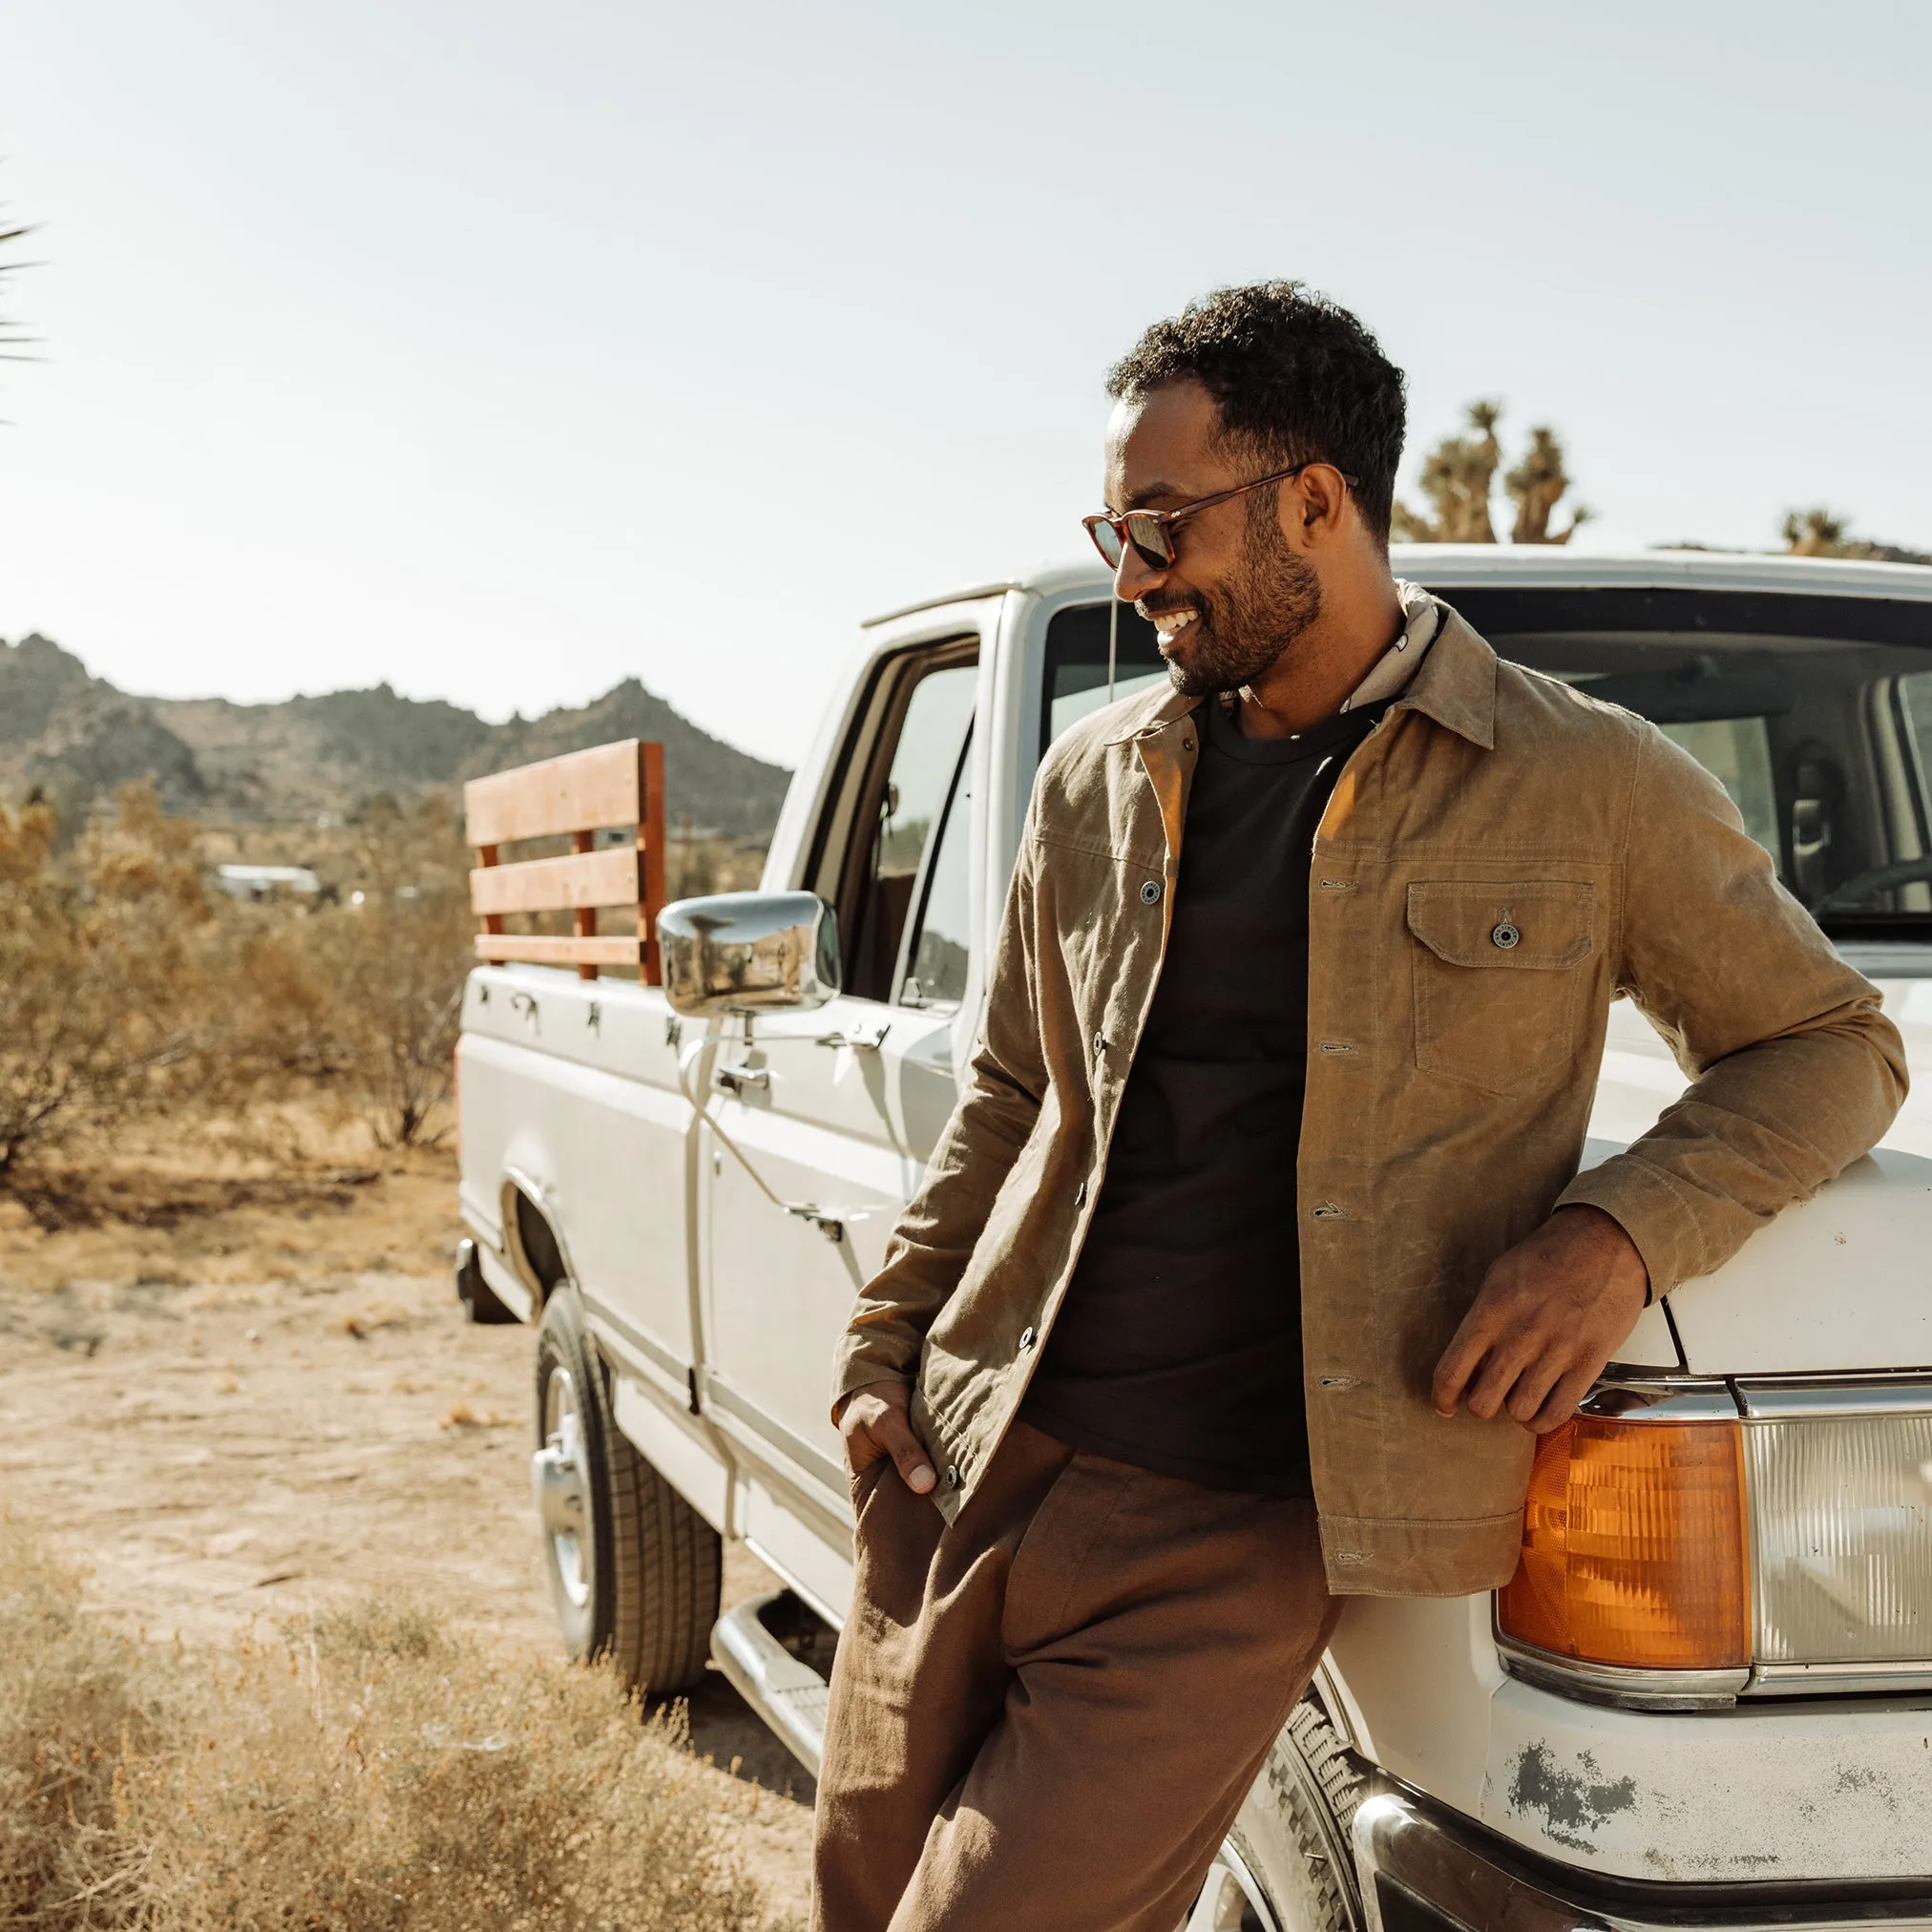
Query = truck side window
x=937 y=952
x=892 y=829
x=1075 y=669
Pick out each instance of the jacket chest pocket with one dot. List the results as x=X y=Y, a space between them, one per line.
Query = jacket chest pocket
x=1500 y=978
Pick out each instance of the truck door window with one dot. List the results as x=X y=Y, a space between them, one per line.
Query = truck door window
x=893 y=828
x=936 y=951
x=1736 y=751
x=1076 y=669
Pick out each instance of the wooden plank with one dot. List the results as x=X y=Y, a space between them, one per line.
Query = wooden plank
x=652 y=840
x=611 y=877
x=546 y=949
x=492 y=922
x=583 y=920
x=583 y=789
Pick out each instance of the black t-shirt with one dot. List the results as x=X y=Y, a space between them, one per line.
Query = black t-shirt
x=1177 y=1345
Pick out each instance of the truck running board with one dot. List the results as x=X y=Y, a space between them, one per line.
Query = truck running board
x=789 y=1695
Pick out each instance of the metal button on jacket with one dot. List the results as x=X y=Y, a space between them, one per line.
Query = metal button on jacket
x=1027 y=1338
x=1150 y=892
x=1504 y=933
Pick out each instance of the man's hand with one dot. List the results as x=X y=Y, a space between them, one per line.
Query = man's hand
x=1548 y=1315
x=876 y=1421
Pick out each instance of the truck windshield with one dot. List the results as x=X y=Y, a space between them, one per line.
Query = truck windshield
x=1814 y=712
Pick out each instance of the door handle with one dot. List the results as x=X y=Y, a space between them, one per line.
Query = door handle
x=743 y=1079
x=858 y=1042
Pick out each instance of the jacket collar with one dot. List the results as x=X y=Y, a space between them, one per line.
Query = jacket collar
x=1455 y=682
x=1455 y=685
x=1151 y=712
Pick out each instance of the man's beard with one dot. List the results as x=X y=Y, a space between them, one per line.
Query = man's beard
x=1240 y=633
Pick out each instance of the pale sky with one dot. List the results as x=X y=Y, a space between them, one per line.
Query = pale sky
x=503 y=352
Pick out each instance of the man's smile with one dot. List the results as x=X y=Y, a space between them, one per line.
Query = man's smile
x=1168 y=623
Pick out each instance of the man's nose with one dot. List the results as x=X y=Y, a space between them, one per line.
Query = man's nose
x=1134 y=577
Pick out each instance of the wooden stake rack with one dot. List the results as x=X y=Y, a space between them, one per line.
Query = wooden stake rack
x=575 y=797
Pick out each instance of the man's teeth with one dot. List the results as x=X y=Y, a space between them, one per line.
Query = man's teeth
x=1170 y=623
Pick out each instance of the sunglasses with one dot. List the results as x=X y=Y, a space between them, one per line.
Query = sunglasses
x=1152 y=531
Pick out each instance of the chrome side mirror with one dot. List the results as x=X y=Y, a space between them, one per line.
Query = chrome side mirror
x=748 y=952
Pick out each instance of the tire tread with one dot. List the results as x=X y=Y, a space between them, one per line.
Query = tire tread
x=657 y=1563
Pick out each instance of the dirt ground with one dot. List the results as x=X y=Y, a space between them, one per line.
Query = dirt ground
x=235 y=1383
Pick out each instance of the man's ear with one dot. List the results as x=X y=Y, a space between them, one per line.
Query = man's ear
x=1317 y=503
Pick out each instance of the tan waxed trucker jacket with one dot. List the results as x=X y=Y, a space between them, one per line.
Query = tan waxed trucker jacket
x=1502 y=858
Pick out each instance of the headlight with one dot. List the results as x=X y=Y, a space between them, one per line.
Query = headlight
x=1676 y=1550
x=1841 y=1515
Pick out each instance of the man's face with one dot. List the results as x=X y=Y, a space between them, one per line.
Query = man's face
x=1236 y=596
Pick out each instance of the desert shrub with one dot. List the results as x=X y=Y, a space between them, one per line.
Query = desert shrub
x=363 y=995
x=367 y=1771
x=76 y=1705
x=99 y=969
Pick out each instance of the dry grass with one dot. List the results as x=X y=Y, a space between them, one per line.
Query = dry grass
x=361 y=1769
x=269 y=1194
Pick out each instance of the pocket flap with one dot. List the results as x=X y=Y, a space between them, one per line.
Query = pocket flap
x=1533 y=924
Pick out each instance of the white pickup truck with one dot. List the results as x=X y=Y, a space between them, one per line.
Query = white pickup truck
x=1720 y=1716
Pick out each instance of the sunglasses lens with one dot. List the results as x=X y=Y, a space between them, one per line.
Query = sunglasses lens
x=1106 y=540
x=1150 y=538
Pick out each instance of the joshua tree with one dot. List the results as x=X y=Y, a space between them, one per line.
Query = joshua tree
x=1536 y=486
x=1458 y=475
x=1819 y=532
x=12 y=344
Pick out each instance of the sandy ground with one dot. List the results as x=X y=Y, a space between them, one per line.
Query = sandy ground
x=237 y=1386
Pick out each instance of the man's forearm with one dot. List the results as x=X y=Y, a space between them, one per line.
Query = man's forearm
x=1762 y=1128
x=936 y=1235
x=1796 y=1071
x=997 y=1114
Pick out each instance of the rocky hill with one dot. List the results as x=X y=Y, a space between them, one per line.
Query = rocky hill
x=74 y=737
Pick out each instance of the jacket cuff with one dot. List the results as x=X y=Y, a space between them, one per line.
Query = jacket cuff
x=858 y=1367
x=1650 y=1207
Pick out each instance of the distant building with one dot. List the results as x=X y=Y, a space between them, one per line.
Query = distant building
x=262 y=882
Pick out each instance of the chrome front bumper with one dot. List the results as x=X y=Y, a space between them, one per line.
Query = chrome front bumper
x=1424 y=1869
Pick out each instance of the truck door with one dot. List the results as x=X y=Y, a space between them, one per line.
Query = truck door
x=834 y=1112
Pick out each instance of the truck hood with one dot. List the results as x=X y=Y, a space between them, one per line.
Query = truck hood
x=1842 y=1281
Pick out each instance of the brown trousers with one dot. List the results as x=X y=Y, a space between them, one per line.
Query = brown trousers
x=1047 y=1714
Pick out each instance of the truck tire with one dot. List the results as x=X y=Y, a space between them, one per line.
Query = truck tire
x=1288 y=1865
x=634 y=1570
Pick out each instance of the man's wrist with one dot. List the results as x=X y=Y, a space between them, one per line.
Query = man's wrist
x=842 y=1400
x=1608 y=1228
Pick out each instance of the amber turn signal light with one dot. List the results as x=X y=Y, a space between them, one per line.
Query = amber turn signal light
x=1633 y=1546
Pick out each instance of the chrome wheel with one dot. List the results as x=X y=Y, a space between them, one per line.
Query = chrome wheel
x=1231 y=1901
x=557 y=1481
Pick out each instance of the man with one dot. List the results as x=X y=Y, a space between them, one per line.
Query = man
x=1255 y=1251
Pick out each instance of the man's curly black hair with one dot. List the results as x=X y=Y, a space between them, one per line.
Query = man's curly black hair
x=1298 y=379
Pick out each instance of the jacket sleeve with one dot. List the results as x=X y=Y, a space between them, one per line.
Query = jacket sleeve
x=996 y=1114
x=1795 y=1070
